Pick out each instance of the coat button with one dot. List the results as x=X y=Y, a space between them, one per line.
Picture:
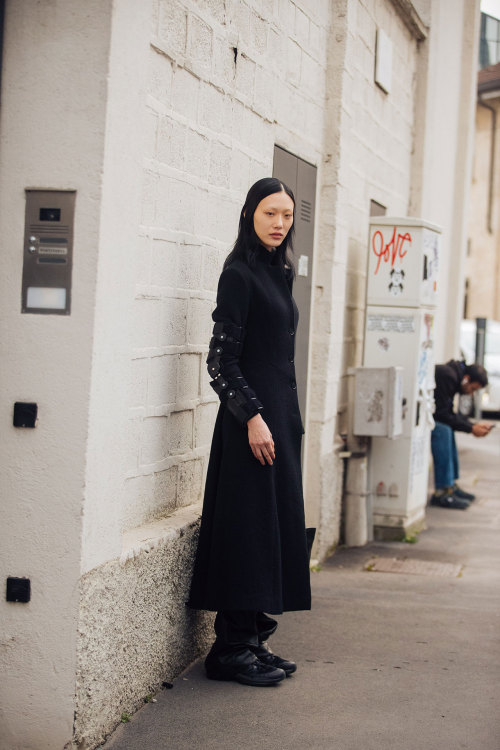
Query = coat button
x=293 y=385
x=291 y=360
x=291 y=332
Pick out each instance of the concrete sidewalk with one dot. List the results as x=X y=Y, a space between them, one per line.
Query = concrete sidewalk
x=385 y=660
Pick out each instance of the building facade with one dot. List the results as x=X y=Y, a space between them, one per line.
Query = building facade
x=157 y=116
x=482 y=298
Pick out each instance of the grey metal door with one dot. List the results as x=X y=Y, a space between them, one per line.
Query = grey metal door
x=300 y=176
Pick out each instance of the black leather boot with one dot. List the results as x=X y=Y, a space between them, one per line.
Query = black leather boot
x=231 y=656
x=266 y=656
x=243 y=667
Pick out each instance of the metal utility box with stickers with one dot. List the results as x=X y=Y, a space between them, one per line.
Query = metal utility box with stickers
x=402 y=292
x=48 y=251
x=378 y=401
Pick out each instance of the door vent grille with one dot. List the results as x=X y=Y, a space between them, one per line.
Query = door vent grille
x=305 y=210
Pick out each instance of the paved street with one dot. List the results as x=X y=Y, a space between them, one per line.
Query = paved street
x=406 y=661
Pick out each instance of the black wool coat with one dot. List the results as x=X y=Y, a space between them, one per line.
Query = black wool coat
x=252 y=551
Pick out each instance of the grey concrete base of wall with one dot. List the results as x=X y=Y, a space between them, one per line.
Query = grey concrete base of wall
x=398 y=533
x=135 y=630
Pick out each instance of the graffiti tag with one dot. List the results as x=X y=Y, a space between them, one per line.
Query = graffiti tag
x=390 y=251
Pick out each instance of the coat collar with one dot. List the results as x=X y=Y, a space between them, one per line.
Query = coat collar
x=266 y=256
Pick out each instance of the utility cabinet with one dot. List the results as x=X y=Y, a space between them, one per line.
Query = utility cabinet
x=403 y=263
x=402 y=289
x=378 y=401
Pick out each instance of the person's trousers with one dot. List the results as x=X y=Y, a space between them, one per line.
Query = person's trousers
x=237 y=633
x=444 y=455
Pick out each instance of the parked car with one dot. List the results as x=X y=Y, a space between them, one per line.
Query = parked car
x=489 y=396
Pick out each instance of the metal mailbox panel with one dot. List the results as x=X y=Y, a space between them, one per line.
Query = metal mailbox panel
x=48 y=251
x=378 y=401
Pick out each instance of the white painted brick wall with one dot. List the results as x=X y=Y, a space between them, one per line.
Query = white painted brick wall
x=210 y=131
x=377 y=138
x=154 y=440
x=204 y=419
x=369 y=142
x=162 y=381
x=213 y=123
x=180 y=431
x=189 y=486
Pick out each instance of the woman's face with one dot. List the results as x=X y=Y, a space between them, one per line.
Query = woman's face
x=273 y=219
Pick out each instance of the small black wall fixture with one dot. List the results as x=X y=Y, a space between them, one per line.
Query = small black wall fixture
x=18 y=589
x=25 y=414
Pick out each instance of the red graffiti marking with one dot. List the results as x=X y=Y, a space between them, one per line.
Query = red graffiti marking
x=392 y=250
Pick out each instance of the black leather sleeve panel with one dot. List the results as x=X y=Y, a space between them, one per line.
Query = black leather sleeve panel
x=226 y=346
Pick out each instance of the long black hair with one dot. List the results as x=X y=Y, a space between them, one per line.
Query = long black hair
x=247 y=243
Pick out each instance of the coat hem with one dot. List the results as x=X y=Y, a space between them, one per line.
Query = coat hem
x=256 y=608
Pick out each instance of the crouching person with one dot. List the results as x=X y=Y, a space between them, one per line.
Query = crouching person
x=452 y=378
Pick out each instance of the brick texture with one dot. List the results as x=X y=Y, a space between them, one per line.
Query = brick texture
x=220 y=85
x=228 y=80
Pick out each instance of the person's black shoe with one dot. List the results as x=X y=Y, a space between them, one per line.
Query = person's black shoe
x=257 y=674
x=266 y=656
x=439 y=494
x=462 y=494
x=449 y=501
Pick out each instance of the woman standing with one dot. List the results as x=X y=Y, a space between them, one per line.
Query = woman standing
x=253 y=554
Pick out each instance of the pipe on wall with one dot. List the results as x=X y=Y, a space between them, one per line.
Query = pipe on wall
x=491 y=176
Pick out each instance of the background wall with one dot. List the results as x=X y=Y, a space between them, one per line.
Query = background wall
x=192 y=119
x=483 y=258
x=52 y=122
x=369 y=139
x=217 y=82
x=448 y=148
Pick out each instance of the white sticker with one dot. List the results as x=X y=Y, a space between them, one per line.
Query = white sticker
x=303 y=269
x=48 y=298
x=395 y=323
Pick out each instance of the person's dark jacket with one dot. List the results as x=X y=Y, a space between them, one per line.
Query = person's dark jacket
x=448 y=380
x=252 y=552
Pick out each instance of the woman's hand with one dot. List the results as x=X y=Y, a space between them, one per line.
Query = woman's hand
x=261 y=440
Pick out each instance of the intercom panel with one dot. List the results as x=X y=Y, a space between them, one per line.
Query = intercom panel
x=48 y=251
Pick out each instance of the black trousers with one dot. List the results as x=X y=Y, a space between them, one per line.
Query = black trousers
x=237 y=633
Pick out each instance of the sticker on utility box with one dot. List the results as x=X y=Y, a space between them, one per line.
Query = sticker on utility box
x=303 y=269
x=396 y=323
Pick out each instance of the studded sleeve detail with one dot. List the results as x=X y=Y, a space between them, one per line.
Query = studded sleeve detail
x=226 y=346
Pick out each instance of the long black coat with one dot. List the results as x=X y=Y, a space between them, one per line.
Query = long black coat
x=252 y=552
